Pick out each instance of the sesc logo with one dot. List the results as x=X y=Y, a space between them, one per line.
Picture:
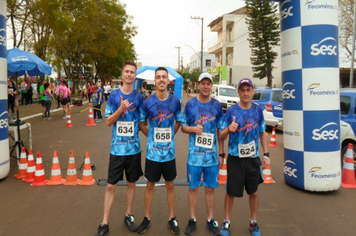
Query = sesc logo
x=288 y=93
x=20 y=58
x=324 y=134
x=286 y=11
x=324 y=49
x=290 y=169
x=3 y=121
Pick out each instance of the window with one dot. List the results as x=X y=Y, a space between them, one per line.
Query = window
x=208 y=62
x=230 y=34
x=345 y=105
x=257 y=95
x=265 y=95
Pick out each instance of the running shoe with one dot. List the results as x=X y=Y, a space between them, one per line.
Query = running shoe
x=129 y=221
x=191 y=226
x=99 y=120
x=173 y=225
x=212 y=225
x=144 y=225
x=225 y=229
x=254 y=229
x=49 y=118
x=103 y=229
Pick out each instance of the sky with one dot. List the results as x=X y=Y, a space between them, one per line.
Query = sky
x=164 y=25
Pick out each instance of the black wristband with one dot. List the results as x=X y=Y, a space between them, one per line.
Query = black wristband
x=222 y=155
x=266 y=154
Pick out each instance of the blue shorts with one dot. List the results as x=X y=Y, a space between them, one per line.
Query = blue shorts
x=210 y=176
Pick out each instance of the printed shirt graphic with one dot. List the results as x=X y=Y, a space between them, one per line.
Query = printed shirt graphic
x=125 y=145
x=251 y=124
x=211 y=117
x=160 y=114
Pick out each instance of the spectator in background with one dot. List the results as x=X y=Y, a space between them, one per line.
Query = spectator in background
x=11 y=97
x=42 y=98
x=89 y=90
x=29 y=93
x=99 y=95
x=63 y=95
x=23 y=87
x=107 y=87
x=48 y=101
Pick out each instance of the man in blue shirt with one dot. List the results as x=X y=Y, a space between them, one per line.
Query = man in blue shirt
x=202 y=117
x=161 y=110
x=122 y=112
x=244 y=123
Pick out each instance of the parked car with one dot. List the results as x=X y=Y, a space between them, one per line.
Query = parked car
x=348 y=114
x=270 y=100
x=226 y=95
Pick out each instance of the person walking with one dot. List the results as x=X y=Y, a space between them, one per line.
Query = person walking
x=63 y=97
x=202 y=118
x=42 y=98
x=107 y=89
x=23 y=87
x=29 y=92
x=245 y=125
x=56 y=94
x=100 y=100
x=161 y=110
x=122 y=112
x=48 y=101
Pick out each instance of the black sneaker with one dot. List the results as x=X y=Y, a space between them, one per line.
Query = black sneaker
x=103 y=229
x=173 y=225
x=192 y=225
x=129 y=221
x=212 y=225
x=144 y=225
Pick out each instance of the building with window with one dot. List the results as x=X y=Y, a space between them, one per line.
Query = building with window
x=232 y=51
x=208 y=61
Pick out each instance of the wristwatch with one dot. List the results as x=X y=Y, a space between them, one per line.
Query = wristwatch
x=222 y=155
x=266 y=154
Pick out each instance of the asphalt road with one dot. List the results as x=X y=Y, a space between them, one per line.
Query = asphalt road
x=77 y=210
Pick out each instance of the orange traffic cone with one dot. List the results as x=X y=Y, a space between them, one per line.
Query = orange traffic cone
x=87 y=177
x=56 y=175
x=348 y=170
x=273 y=138
x=91 y=117
x=31 y=168
x=72 y=178
x=223 y=173
x=22 y=172
x=40 y=177
x=267 y=174
x=69 y=121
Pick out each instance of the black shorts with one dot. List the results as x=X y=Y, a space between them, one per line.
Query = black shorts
x=65 y=101
x=43 y=103
x=243 y=172
x=154 y=170
x=131 y=164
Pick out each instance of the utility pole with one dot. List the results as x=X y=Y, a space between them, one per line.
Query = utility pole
x=202 y=41
x=178 y=57
x=353 y=48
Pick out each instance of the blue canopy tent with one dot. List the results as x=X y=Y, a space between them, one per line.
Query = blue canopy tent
x=20 y=62
x=147 y=73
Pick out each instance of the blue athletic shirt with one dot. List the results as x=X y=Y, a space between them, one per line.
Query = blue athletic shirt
x=251 y=124
x=160 y=114
x=211 y=116
x=125 y=145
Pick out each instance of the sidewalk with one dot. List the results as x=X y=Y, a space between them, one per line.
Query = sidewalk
x=35 y=109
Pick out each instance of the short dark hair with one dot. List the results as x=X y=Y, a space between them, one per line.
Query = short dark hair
x=161 y=68
x=130 y=62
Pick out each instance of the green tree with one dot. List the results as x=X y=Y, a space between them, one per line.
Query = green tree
x=346 y=19
x=264 y=34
